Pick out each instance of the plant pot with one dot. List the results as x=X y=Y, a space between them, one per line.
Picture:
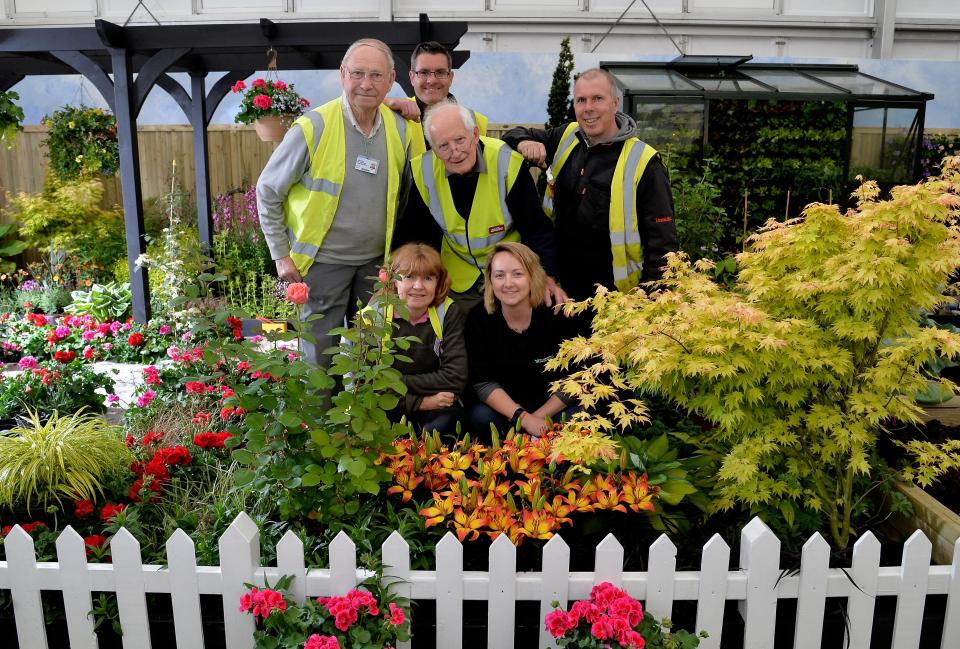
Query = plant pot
x=272 y=128
x=272 y=326
x=933 y=518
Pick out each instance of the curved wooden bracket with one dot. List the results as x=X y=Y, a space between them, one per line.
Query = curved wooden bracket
x=91 y=71
x=154 y=69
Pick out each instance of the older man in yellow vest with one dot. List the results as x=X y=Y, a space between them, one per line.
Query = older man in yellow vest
x=470 y=193
x=431 y=75
x=609 y=195
x=328 y=196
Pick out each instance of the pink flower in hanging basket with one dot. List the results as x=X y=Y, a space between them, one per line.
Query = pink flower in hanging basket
x=238 y=86
x=262 y=102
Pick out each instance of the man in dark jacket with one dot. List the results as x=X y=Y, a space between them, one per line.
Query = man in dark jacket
x=610 y=193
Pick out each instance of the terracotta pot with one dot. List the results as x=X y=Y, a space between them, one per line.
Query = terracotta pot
x=272 y=128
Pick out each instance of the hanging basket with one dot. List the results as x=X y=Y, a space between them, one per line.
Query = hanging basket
x=272 y=128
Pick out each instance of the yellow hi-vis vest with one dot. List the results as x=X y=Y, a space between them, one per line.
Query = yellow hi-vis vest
x=311 y=204
x=624 y=230
x=435 y=314
x=418 y=143
x=490 y=221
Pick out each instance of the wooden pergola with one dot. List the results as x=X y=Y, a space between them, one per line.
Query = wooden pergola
x=125 y=63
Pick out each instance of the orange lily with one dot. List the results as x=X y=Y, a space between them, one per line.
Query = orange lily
x=442 y=508
x=468 y=525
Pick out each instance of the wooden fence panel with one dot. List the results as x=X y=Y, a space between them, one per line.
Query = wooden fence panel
x=75 y=581
x=757 y=585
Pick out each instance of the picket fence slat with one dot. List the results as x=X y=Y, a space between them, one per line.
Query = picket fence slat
x=913 y=592
x=814 y=565
x=449 y=592
x=712 y=592
x=608 y=564
x=864 y=576
x=185 y=591
x=951 y=622
x=239 y=556
x=24 y=590
x=131 y=593
x=395 y=554
x=555 y=566
x=75 y=583
x=760 y=558
x=502 y=597
x=290 y=561
x=343 y=564
x=757 y=585
x=662 y=565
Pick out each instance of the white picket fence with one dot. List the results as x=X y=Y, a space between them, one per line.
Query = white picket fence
x=757 y=585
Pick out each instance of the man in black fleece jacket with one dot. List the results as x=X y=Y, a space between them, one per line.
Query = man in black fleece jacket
x=584 y=157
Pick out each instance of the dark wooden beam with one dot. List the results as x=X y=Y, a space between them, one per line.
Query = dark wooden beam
x=175 y=90
x=198 y=119
x=220 y=90
x=91 y=71
x=125 y=112
x=9 y=80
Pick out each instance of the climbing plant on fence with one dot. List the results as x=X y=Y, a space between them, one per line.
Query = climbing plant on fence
x=766 y=148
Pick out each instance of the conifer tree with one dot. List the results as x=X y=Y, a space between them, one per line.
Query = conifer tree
x=558 y=105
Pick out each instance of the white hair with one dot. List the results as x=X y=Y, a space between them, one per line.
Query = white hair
x=376 y=44
x=447 y=104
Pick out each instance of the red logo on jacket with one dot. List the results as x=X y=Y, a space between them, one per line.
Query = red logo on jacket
x=497 y=228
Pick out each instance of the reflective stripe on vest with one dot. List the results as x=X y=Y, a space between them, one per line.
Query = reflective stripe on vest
x=311 y=203
x=567 y=141
x=490 y=221
x=418 y=144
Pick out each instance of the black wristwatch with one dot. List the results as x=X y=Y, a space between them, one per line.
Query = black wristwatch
x=516 y=415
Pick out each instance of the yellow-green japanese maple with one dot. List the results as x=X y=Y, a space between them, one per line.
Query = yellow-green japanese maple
x=804 y=359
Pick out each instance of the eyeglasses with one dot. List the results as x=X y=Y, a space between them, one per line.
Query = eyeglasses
x=375 y=77
x=444 y=149
x=426 y=74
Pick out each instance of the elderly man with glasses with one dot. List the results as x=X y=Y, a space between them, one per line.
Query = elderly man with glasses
x=431 y=74
x=328 y=197
x=470 y=193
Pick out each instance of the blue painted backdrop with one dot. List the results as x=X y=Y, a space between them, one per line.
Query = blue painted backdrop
x=508 y=87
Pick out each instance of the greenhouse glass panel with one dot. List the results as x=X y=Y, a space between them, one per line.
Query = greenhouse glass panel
x=786 y=81
x=651 y=80
x=884 y=143
x=860 y=84
x=673 y=128
x=728 y=84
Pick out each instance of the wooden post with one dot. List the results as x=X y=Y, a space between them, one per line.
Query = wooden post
x=786 y=208
x=743 y=244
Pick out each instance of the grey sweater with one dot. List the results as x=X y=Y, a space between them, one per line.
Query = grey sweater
x=358 y=231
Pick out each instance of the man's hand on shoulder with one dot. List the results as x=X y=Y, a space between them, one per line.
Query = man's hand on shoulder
x=534 y=152
x=287 y=270
x=553 y=294
x=407 y=108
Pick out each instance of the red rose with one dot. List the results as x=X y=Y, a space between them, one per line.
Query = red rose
x=135 y=339
x=298 y=292
x=64 y=357
x=83 y=508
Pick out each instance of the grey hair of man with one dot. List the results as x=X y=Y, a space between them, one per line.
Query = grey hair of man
x=586 y=75
x=447 y=104
x=376 y=44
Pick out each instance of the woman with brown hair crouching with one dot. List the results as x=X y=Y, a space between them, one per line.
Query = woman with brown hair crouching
x=437 y=372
